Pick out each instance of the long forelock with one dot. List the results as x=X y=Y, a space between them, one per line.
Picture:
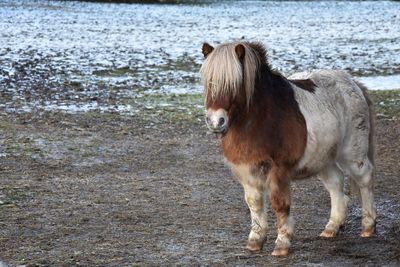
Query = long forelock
x=223 y=74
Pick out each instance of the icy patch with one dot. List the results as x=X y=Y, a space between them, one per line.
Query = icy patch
x=55 y=54
x=390 y=82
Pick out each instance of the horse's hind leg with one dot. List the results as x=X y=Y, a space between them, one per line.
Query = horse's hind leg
x=362 y=174
x=332 y=178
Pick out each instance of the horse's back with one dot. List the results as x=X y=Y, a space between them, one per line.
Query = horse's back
x=337 y=118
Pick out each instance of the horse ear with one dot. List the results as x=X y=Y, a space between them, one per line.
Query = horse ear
x=207 y=49
x=240 y=51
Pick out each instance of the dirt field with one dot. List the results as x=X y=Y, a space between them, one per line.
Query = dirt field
x=103 y=189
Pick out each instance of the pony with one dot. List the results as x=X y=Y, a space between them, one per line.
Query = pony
x=274 y=130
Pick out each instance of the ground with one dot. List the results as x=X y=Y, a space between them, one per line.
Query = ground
x=105 y=189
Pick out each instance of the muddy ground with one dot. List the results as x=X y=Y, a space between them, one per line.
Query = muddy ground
x=104 y=189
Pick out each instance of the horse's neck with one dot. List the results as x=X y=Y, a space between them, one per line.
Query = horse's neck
x=273 y=98
x=272 y=128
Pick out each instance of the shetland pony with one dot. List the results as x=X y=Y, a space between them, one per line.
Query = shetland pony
x=275 y=130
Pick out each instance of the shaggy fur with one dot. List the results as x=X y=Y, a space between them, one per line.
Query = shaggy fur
x=231 y=78
x=315 y=123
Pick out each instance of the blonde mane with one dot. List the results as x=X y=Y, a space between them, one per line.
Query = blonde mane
x=223 y=73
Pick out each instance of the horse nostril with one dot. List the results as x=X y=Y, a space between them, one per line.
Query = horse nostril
x=221 y=122
x=208 y=121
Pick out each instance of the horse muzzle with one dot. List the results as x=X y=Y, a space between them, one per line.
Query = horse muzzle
x=217 y=121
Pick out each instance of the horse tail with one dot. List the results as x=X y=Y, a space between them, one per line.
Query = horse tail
x=371 y=138
x=371 y=149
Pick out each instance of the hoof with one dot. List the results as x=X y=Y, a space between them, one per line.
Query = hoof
x=368 y=232
x=328 y=233
x=280 y=252
x=254 y=246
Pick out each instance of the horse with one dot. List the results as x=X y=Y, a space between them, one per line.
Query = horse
x=274 y=130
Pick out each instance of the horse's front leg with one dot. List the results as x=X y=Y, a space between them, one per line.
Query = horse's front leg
x=279 y=194
x=255 y=200
x=253 y=184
